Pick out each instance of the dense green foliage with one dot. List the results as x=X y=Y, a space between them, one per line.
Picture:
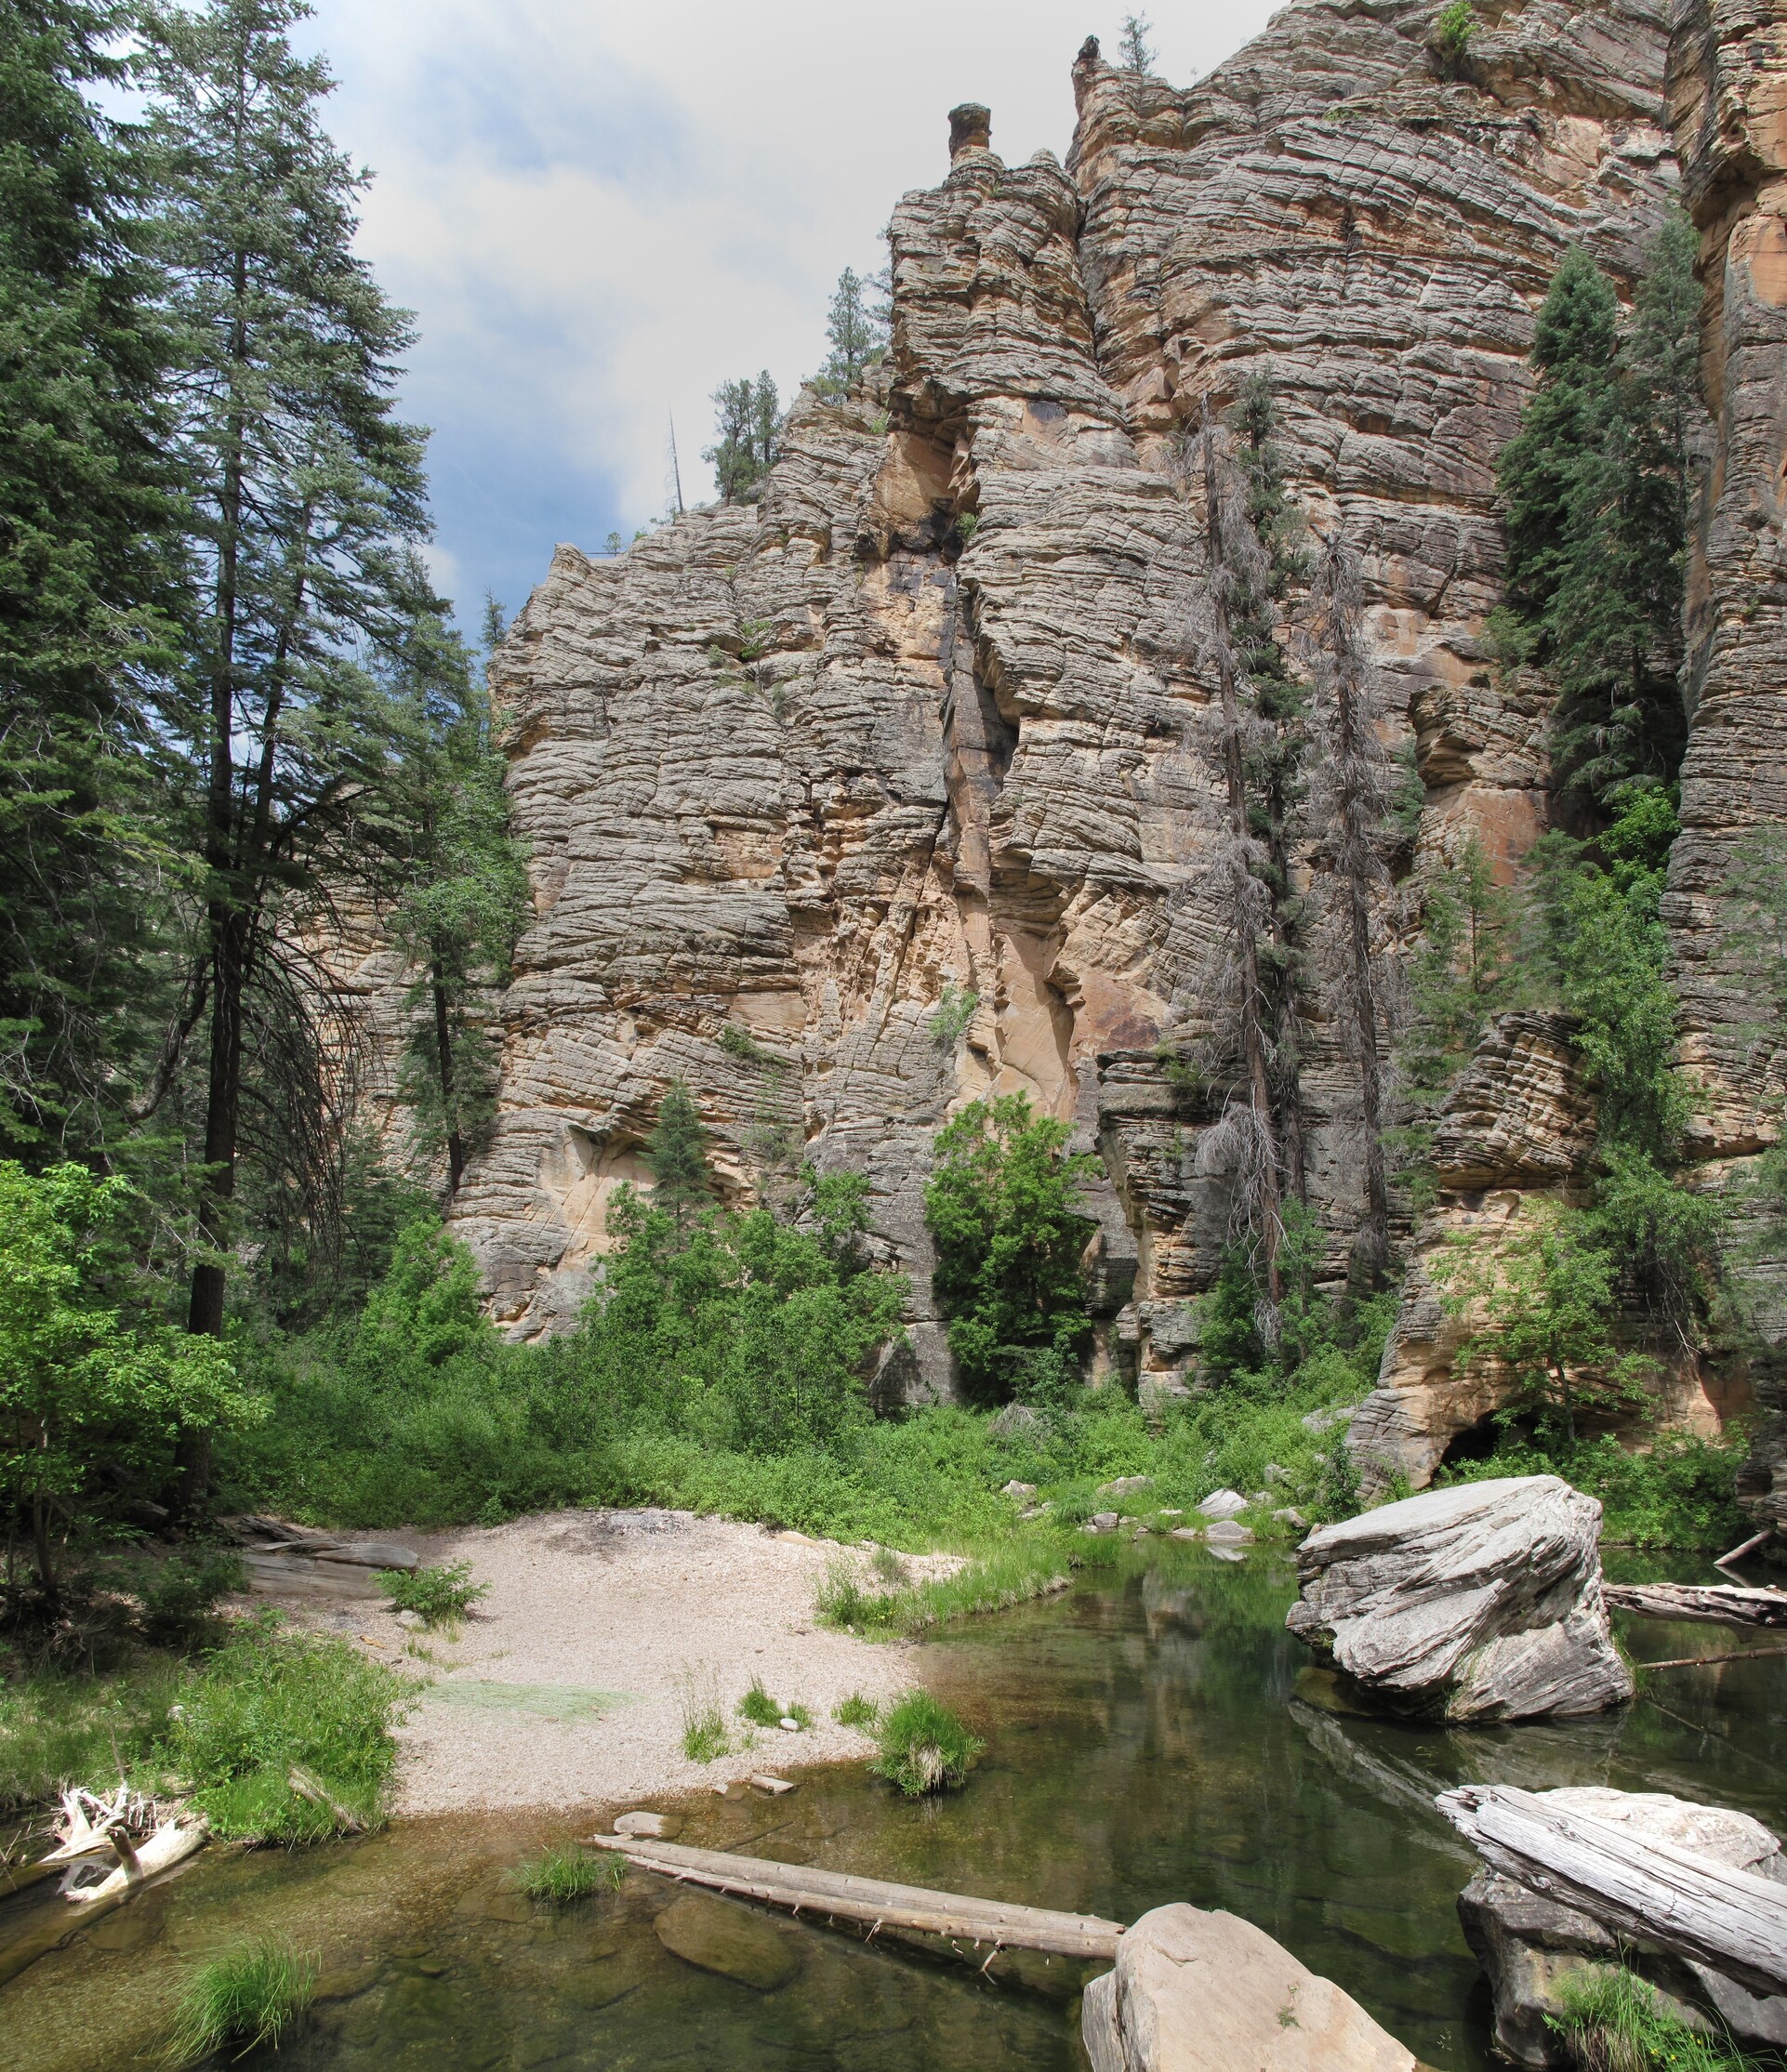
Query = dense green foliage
x=1595 y=488
x=1000 y=1207
x=251 y=1997
x=1678 y=1492
x=94 y=1391
x=856 y=333
x=265 y=1702
x=437 y=1596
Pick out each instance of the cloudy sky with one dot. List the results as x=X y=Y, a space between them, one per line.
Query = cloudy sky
x=599 y=212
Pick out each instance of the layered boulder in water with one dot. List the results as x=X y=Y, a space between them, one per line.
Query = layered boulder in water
x=1477 y=1603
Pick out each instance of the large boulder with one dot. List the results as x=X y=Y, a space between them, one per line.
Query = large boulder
x=1532 y=1947
x=1478 y=1603
x=1209 y=1992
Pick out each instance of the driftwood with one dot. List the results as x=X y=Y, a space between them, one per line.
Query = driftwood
x=870 y=1899
x=1748 y=1548
x=1705 y=1661
x=1716 y=1603
x=308 y=1784
x=1730 y=1919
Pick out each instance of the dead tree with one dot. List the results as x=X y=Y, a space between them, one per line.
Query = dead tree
x=1350 y=798
x=1246 y=1139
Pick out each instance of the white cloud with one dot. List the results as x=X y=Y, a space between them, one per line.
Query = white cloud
x=599 y=211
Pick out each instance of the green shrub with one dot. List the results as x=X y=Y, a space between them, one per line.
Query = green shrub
x=1613 y=2022
x=1680 y=1493
x=440 y=1596
x=560 y=1875
x=1001 y=1206
x=251 y=1997
x=1452 y=32
x=856 y=1711
x=266 y=1703
x=921 y=1747
x=179 y=1596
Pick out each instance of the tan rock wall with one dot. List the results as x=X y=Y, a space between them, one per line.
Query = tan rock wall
x=925 y=717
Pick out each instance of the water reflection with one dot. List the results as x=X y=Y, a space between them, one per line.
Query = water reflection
x=1156 y=1736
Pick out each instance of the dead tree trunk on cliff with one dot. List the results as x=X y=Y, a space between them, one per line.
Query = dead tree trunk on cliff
x=1246 y=1141
x=1349 y=802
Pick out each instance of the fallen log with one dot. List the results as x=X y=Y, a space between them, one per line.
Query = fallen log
x=796 y=1886
x=309 y=1785
x=1717 y=1603
x=1649 y=1890
x=1747 y=1548
x=1706 y=1661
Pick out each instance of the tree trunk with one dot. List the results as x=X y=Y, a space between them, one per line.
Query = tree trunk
x=444 y=1051
x=1373 y=1244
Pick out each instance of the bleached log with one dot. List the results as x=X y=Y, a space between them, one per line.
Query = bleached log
x=171 y=1843
x=1717 y=1603
x=309 y=1785
x=1648 y=1890
x=956 y=1915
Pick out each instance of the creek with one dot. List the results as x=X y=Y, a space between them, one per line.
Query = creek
x=1154 y=1734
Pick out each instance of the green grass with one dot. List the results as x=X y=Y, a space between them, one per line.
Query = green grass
x=1613 y=2022
x=856 y=1711
x=440 y=1596
x=560 y=1875
x=267 y=1702
x=1027 y=1567
x=251 y=1997
x=706 y=1736
x=58 y=1729
x=922 y=1747
x=759 y=1708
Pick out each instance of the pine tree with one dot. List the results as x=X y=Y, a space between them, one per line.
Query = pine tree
x=89 y=596
x=460 y=882
x=1573 y=346
x=1138 y=54
x=747 y=424
x=304 y=484
x=1596 y=490
x=856 y=332
x=677 y=1152
x=1246 y=1141
x=1350 y=802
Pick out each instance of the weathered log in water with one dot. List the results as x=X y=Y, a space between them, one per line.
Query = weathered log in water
x=1647 y=1889
x=1716 y=1603
x=796 y=1886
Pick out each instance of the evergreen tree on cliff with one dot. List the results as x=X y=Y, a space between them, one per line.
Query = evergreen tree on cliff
x=748 y=428
x=304 y=483
x=856 y=333
x=89 y=557
x=1596 y=489
x=677 y=1152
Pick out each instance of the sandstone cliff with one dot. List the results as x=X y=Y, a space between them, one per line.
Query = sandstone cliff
x=918 y=726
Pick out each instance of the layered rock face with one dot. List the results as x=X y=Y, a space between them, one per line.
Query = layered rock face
x=802 y=777
x=1532 y=1946
x=1478 y=1603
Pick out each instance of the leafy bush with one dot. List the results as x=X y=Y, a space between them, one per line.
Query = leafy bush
x=560 y=1875
x=251 y=1996
x=440 y=1596
x=999 y=1204
x=921 y=1747
x=1681 y=1492
x=1450 y=36
x=266 y=1703
x=1613 y=2022
x=179 y=1596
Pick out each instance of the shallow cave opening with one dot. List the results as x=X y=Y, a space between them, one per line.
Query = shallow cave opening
x=1483 y=1439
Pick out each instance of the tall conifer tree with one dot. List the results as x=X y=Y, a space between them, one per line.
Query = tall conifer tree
x=305 y=482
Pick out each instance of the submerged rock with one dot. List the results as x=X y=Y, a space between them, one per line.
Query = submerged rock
x=1532 y=1947
x=1479 y=1602
x=718 y=1936
x=1207 y=1992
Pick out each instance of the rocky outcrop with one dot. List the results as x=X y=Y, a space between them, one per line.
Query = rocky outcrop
x=1477 y=1603
x=1531 y=1945
x=1206 y=1992
x=919 y=725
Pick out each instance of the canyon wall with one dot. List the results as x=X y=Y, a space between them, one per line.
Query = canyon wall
x=806 y=779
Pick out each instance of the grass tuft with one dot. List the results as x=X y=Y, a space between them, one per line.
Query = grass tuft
x=856 y=1711
x=1613 y=2022
x=706 y=1736
x=251 y=1996
x=560 y=1875
x=1028 y=1567
x=923 y=1746
x=440 y=1596
x=759 y=1708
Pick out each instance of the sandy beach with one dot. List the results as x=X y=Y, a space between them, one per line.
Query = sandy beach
x=571 y=1682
